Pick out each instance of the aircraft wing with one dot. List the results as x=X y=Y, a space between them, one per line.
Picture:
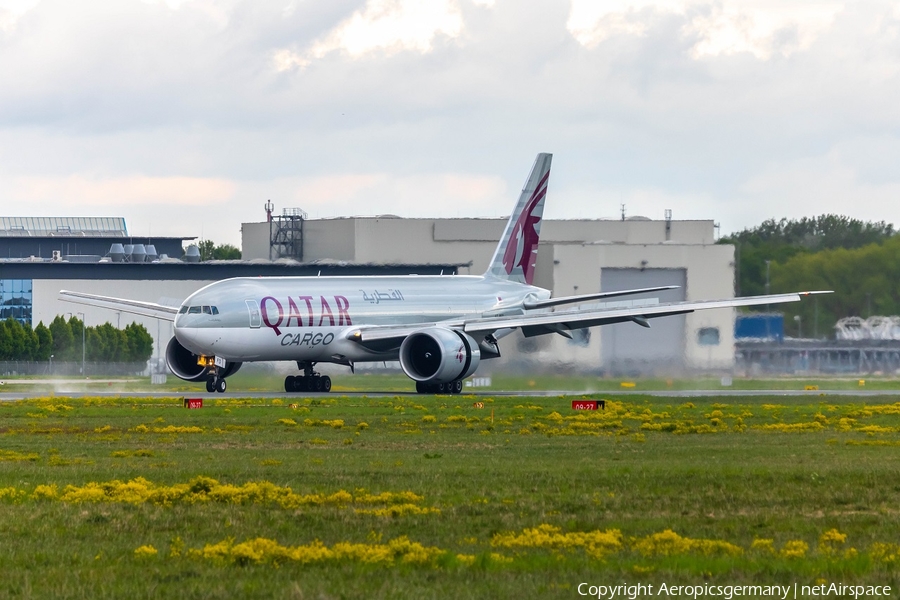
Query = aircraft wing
x=538 y=323
x=543 y=322
x=136 y=307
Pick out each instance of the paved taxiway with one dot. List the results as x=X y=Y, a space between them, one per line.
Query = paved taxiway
x=23 y=395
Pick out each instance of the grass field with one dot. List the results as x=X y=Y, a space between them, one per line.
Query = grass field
x=354 y=497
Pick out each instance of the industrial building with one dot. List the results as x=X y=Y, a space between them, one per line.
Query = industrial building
x=575 y=256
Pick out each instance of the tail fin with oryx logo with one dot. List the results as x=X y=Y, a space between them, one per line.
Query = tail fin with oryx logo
x=516 y=254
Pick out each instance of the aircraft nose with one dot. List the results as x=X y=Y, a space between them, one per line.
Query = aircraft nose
x=195 y=339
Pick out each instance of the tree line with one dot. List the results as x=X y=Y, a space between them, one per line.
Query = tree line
x=62 y=340
x=210 y=251
x=859 y=261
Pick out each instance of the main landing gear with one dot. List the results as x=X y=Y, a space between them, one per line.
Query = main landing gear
x=451 y=387
x=310 y=381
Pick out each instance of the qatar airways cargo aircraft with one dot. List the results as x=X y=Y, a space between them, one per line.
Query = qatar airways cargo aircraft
x=439 y=327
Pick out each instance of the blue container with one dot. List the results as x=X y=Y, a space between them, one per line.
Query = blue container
x=762 y=326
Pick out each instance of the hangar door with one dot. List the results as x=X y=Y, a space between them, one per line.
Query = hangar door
x=628 y=348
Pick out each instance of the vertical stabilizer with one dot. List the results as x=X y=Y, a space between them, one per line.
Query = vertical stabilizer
x=516 y=254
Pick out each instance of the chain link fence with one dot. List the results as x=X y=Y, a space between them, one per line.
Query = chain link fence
x=9 y=368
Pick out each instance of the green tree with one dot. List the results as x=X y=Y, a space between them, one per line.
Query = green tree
x=778 y=241
x=5 y=342
x=95 y=348
x=140 y=343
x=32 y=343
x=865 y=281
x=44 y=342
x=226 y=252
x=17 y=341
x=123 y=351
x=210 y=251
x=206 y=248
x=63 y=339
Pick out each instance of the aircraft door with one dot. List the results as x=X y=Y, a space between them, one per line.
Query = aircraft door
x=255 y=318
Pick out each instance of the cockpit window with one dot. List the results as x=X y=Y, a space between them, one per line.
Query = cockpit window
x=194 y=310
x=206 y=310
x=215 y=310
x=183 y=310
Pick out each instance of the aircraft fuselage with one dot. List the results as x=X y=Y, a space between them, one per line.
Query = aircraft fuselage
x=309 y=318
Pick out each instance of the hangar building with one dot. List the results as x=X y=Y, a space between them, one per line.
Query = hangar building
x=575 y=256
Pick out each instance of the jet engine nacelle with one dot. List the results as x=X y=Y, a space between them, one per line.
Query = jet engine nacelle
x=183 y=363
x=439 y=355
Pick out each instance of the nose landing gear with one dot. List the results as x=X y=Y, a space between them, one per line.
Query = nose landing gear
x=310 y=381
x=214 y=382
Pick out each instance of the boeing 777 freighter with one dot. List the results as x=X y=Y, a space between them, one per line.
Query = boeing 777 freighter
x=439 y=327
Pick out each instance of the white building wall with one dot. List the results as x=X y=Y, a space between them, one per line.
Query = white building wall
x=710 y=275
x=255 y=241
x=389 y=240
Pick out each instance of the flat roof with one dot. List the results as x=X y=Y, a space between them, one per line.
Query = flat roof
x=211 y=270
x=66 y=226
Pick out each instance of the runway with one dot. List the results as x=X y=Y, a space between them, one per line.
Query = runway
x=481 y=393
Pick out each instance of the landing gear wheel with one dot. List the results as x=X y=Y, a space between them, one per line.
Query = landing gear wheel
x=456 y=386
x=210 y=386
x=421 y=388
x=326 y=384
x=289 y=383
x=221 y=386
x=317 y=384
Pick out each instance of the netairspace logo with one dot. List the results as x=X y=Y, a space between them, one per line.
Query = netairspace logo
x=626 y=591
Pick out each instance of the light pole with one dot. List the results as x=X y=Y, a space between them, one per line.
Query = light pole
x=799 y=326
x=82 y=343
x=768 y=306
x=50 y=370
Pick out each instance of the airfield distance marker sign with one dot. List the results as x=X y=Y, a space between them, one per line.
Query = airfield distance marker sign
x=588 y=404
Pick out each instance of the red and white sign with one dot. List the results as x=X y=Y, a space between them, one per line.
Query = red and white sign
x=584 y=405
x=193 y=402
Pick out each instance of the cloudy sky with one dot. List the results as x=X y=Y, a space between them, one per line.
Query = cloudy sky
x=185 y=116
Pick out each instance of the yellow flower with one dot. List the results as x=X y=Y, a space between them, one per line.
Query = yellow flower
x=794 y=549
x=145 y=552
x=44 y=492
x=669 y=543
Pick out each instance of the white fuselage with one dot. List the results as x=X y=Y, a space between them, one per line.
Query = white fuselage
x=309 y=318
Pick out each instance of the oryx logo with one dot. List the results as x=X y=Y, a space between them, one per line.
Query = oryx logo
x=460 y=353
x=523 y=239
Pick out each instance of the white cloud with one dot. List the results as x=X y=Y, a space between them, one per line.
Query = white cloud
x=12 y=10
x=759 y=27
x=388 y=26
x=113 y=193
x=437 y=110
x=816 y=185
